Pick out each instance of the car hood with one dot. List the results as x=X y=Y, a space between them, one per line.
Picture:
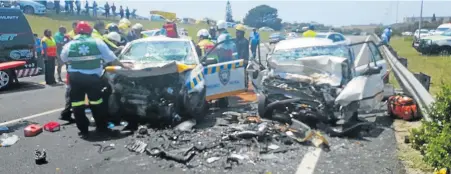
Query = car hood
x=317 y=70
x=30 y=2
x=436 y=37
x=150 y=68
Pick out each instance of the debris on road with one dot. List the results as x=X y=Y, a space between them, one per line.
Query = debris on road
x=32 y=130
x=104 y=148
x=137 y=146
x=40 y=157
x=7 y=140
x=52 y=126
x=4 y=129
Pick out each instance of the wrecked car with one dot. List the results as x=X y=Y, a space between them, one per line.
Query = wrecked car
x=168 y=81
x=314 y=80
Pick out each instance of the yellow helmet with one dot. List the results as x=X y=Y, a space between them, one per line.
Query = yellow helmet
x=240 y=27
x=123 y=26
x=125 y=21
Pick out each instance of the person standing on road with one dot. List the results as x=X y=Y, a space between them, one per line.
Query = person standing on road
x=212 y=33
x=242 y=46
x=113 y=9
x=135 y=33
x=107 y=9
x=49 y=52
x=60 y=41
x=86 y=56
x=310 y=32
x=99 y=28
x=224 y=50
x=121 y=11
x=254 y=37
x=127 y=13
x=71 y=33
x=37 y=45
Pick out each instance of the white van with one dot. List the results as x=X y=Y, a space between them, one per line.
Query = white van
x=442 y=28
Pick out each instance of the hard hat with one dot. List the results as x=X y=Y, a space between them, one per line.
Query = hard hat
x=222 y=37
x=123 y=26
x=137 y=26
x=221 y=24
x=240 y=27
x=114 y=36
x=112 y=27
x=203 y=32
x=125 y=21
x=83 y=27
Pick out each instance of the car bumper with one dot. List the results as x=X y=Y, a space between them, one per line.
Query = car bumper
x=427 y=49
x=40 y=11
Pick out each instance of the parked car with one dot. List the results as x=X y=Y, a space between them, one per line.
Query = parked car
x=28 y=6
x=16 y=45
x=436 y=44
x=419 y=34
x=150 y=33
x=335 y=37
x=442 y=28
x=276 y=37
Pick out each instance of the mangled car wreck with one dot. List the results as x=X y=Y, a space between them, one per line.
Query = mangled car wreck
x=168 y=81
x=314 y=81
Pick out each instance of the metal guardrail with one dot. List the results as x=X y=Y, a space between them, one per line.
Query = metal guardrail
x=408 y=82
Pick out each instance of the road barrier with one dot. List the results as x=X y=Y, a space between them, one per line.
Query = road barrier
x=408 y=82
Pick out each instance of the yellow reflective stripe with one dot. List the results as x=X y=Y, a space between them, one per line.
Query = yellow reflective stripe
x=96 y=102
x=79 y=103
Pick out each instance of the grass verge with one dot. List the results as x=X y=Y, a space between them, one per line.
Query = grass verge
x=435 y=66
x=52 y=21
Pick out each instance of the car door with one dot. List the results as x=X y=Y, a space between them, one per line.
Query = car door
x=225 y=78
x=375 y=59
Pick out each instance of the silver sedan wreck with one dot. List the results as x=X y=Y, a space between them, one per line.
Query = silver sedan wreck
x=314 y=81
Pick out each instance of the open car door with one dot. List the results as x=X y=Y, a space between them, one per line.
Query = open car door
x=255 y=66
x=370 y=56
x=224 y=72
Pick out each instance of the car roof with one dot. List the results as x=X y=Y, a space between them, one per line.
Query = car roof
x=161 y=38
x=444 y=25
x=303 y=42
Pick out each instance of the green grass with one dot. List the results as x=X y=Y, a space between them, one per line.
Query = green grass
x=435 y=66
x=52 y=21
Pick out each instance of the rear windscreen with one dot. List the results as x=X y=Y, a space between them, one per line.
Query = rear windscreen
x=17 y=31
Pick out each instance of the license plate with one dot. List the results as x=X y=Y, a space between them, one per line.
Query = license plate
x=416 y=44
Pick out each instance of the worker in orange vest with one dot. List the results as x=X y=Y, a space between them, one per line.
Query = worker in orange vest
x=49 y=53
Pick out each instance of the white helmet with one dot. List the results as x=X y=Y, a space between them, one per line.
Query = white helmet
x=203 y=32
x=137 y=26
x=114 y=36
x=221 y=24
x=125 y=21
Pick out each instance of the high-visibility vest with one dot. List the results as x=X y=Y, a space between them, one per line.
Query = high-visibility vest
x=51 y=46
x=96 y=34
x=71 y=34
x=170 y=30
x=84 y=55
x=206 y=45
x=309 y=33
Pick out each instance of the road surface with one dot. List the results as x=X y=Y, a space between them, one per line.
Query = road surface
x=69 y=154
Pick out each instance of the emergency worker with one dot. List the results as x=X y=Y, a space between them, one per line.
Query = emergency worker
x=72 y=32
x=115 y=38
x=85 y=56
x=49 y=52
x=226 y=49
x=112 y=27
x=242 y=46
x=171 y=29
x=310 y=32
x=99 y=28
x=212 y=33
x=135 y=33
x=204 y=44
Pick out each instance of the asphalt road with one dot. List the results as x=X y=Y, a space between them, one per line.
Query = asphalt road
x=69 y=154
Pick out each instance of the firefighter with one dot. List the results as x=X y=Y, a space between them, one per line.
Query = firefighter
x=85 y=56
x=242 y=46
x=226 y=48
x=204 y=43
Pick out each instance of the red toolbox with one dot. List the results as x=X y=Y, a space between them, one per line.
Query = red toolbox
x=52 y=126
x=32 y=130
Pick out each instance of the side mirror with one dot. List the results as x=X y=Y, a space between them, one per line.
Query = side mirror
x=209 y=61
x=371 y=70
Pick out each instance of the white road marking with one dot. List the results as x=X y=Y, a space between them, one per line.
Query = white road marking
x=357 y=59
x=31 y=116
x=309 y=161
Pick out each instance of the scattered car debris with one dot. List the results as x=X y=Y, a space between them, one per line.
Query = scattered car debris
x=186 y=125
x=104 y=148
x=40 y=157
x=137 y=146
x=4 y=129
x=7 y=140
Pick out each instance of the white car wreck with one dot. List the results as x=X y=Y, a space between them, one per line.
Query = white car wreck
x=314 y=79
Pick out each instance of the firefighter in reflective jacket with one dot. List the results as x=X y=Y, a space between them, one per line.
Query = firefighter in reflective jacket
x=85 y=56
x=204 y=44
x=49 y=53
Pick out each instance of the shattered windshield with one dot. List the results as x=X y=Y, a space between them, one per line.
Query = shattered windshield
x=299 y=53
x=161 y=51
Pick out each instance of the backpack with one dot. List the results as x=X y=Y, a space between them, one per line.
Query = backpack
x=402 y=107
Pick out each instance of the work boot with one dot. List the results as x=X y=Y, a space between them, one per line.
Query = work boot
x=107 y=132
x=131 y=126
x=83 y=135
x=67 y=116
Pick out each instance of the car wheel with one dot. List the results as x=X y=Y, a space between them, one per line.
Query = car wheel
x=200 y=107
x=5 y=79
x=261 y=107
x=28 y=10
x=445 y=51
x=114 y=108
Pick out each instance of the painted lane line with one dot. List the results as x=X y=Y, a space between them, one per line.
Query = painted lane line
x=31 y=116
x=309 y=161
x=357 y=59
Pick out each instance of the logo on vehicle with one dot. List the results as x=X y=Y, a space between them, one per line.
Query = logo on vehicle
x=224 y=76
x=9 y=17
x=7 y=37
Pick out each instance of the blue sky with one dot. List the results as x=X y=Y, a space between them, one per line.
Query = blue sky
x=330 y=12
